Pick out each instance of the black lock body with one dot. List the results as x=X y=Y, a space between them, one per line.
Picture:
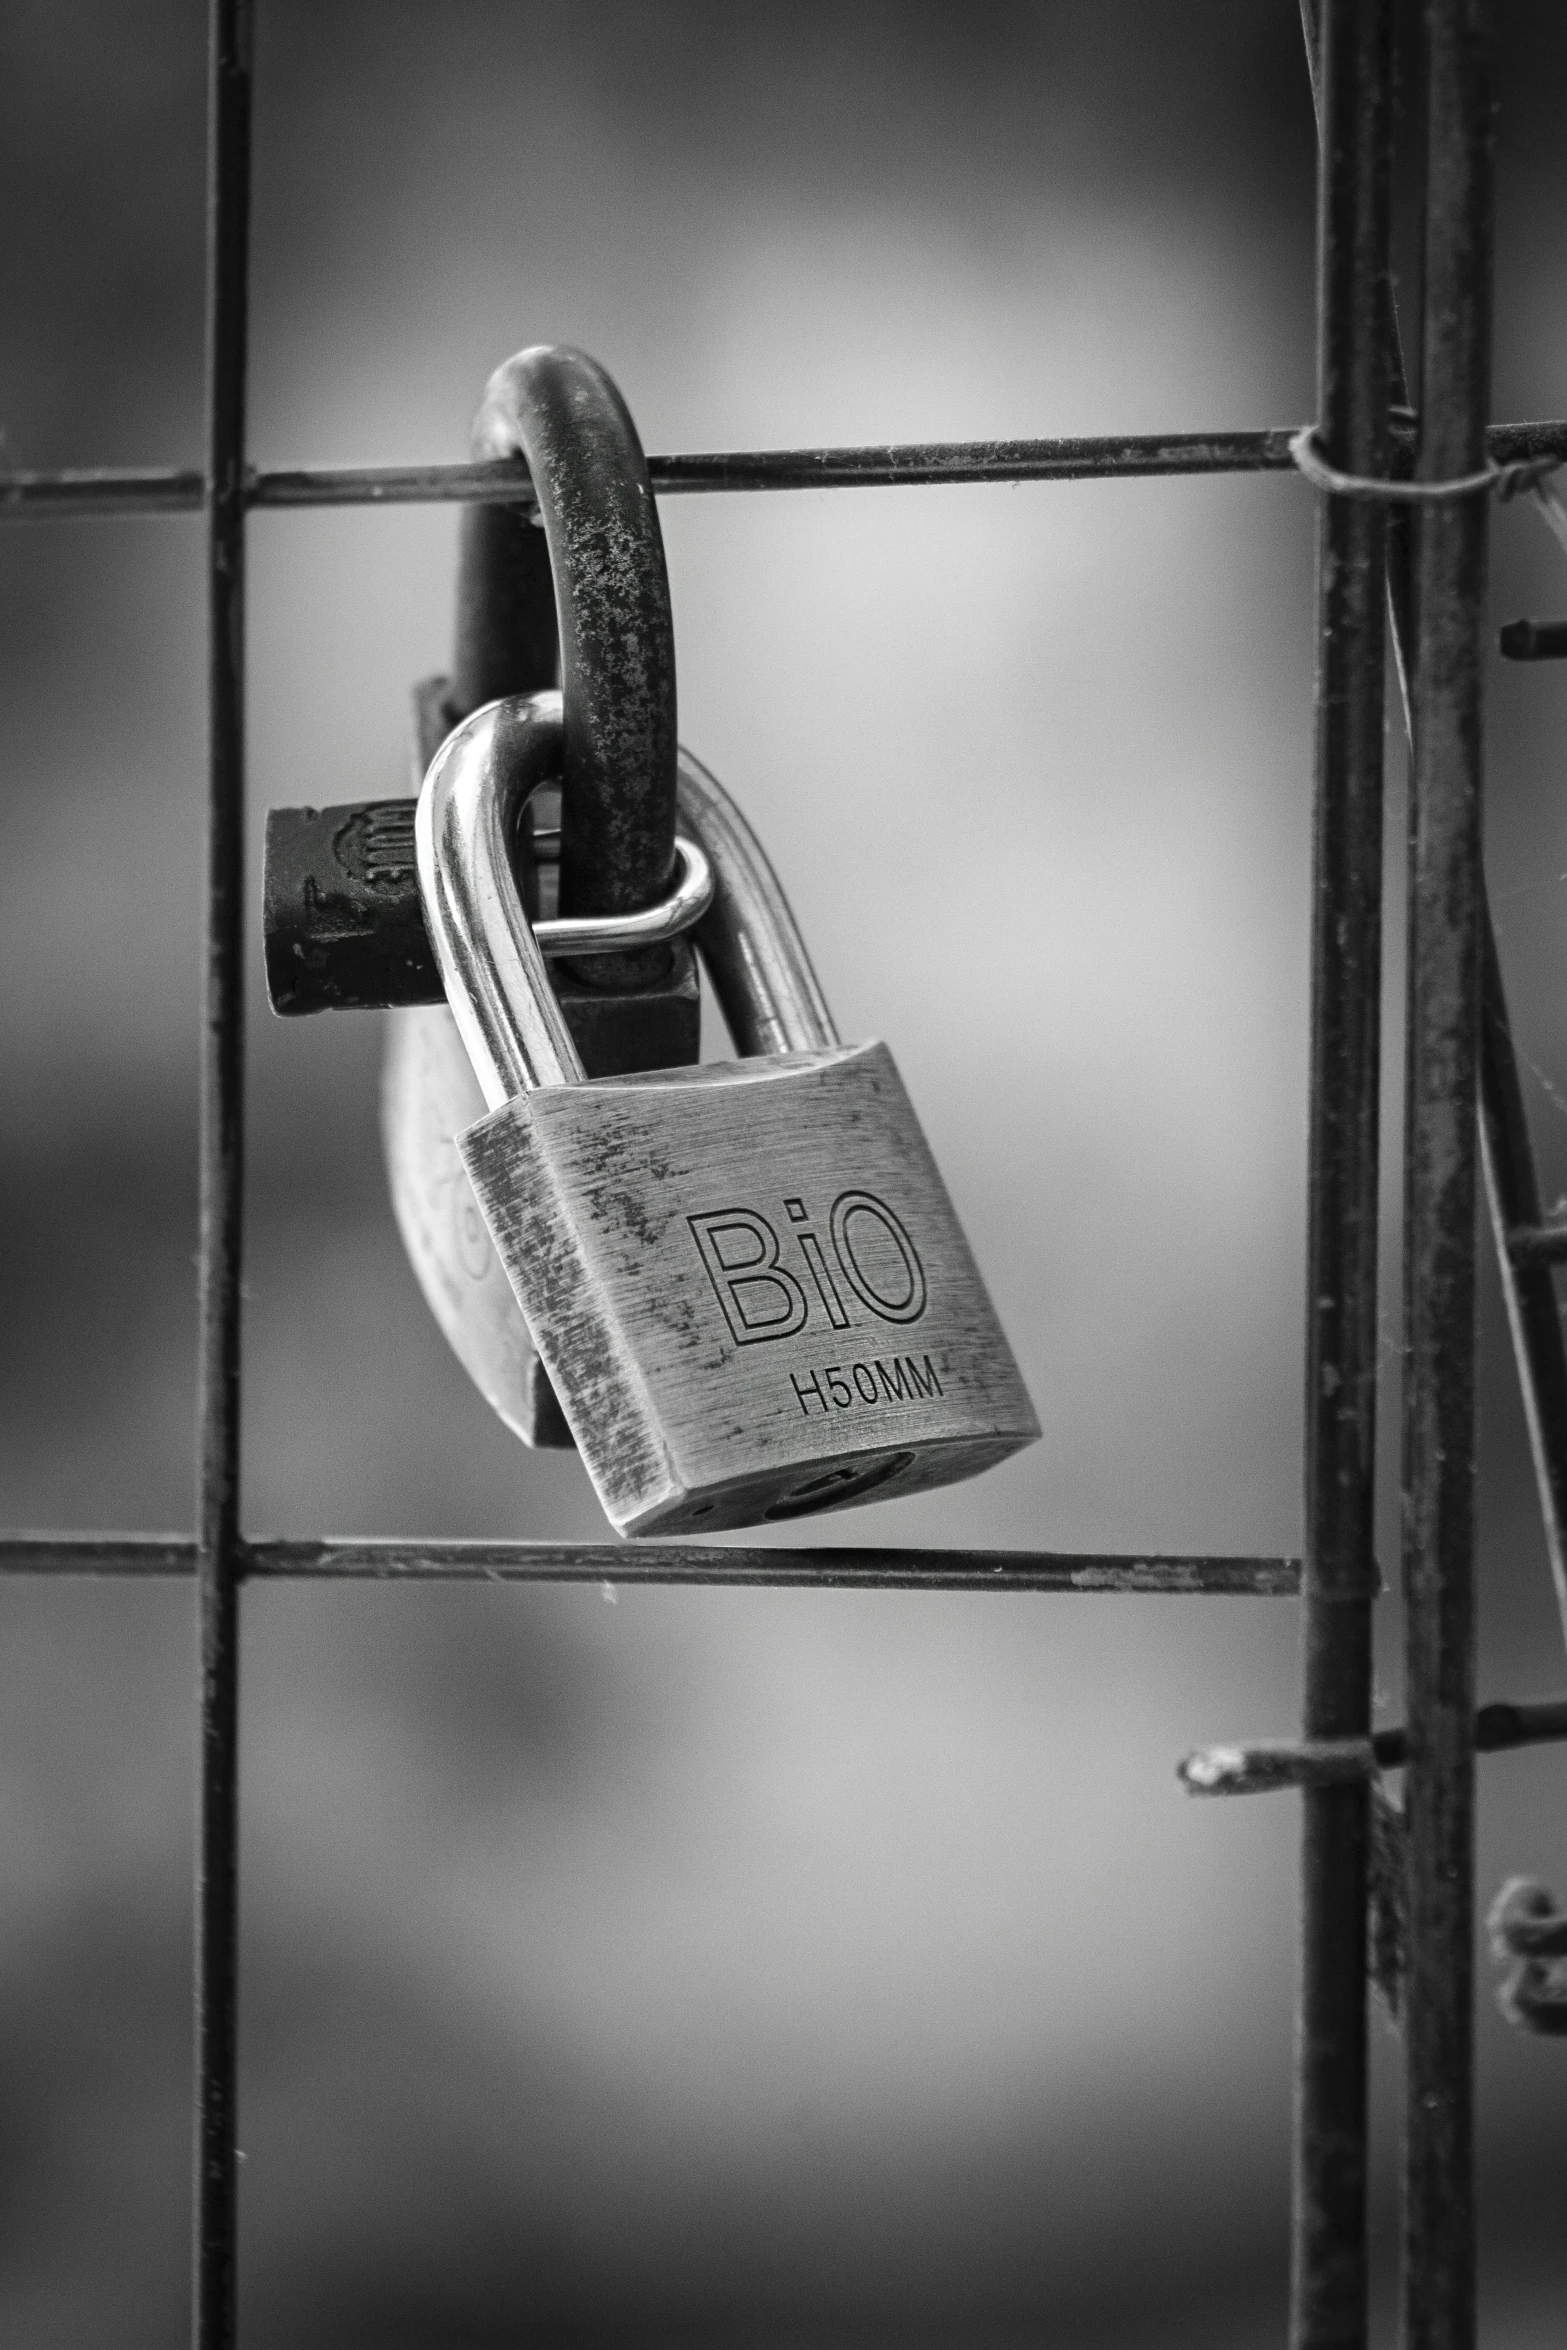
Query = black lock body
x=344 y=930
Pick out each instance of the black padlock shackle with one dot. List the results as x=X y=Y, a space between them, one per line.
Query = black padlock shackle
x=597 y=571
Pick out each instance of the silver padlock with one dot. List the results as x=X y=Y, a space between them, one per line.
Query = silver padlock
x=746 y=1281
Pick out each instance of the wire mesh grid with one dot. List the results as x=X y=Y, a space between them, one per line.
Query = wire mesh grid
x=1374 y=561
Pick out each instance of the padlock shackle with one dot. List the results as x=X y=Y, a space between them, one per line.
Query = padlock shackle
x=491 y=965
x=490 y=962
x=771 y=998
x=558 y=410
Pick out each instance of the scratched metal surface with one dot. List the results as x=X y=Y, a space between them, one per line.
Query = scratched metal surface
x=749 y=1287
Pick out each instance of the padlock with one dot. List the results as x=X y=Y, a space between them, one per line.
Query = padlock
x=746 y=1280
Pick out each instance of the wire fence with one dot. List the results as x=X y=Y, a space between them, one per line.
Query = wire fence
x=1375 y=560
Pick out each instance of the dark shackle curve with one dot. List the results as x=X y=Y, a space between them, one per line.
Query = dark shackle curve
x=559 y=411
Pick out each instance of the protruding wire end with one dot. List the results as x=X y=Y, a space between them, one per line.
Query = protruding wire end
x=1533 y=640
x=1271 y=1763
x=1329 y=1762
x=1212 y=1770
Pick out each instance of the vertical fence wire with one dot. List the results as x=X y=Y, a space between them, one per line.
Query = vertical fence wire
x=222 y=1173
x=1512 y=1184
x=1445 y=911
x=1353 y=83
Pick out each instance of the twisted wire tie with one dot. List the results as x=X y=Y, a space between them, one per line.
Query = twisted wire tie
x=1507 y=481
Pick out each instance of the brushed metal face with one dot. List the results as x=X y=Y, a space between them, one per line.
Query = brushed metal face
x=749 y=1288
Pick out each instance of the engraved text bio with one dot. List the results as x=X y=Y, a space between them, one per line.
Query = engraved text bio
x=773 y=1279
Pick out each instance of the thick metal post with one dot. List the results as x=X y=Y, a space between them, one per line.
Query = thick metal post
x=1445 y=912
x=1507 y=1151
x=222 y=1171
x=1328 y=2282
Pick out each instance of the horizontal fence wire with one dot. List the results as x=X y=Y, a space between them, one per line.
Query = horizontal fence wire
x=1265 y=1764
x=843 y=1569
x=1136 y=456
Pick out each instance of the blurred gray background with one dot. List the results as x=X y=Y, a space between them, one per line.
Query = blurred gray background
x=774 y=1968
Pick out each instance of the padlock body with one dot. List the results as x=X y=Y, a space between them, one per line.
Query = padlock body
x=749 y=1288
